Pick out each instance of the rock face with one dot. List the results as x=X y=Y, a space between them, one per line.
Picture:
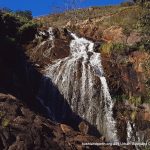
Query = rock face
x=114 y=34
x=50 y=44
x=22 y=129
x=130 y=70
x=125 y=74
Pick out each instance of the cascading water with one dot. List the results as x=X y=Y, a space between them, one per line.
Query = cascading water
x=129 y=132
x=81 y=81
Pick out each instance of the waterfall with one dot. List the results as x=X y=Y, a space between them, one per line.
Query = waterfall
x=80 y=79
x=50 y=40
x=48 y=43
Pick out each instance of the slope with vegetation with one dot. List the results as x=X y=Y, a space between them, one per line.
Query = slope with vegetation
x=123 y=35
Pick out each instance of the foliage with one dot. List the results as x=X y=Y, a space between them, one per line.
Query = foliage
x=133 y=115
x=25 y=14
x=144 y=20
x=140 y=2
x=144 y=45
x=120 y=98
x=5 y=122
x=106 y=48
x=9 y=24
x=122 y=49
x=119 y=48
x=27 y=29
x=113 y=48
x=16 y=28
x=136 y=100
x=146 y=147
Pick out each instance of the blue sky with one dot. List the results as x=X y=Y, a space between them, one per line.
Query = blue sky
x=43 y=7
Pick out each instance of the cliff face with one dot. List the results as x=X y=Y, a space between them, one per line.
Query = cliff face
x=22 y=129
x=124 y=62
x=125 y=71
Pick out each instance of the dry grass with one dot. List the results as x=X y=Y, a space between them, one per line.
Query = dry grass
x=113 y=15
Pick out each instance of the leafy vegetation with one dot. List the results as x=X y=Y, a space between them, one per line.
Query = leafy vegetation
x=136 y=100
x=27 y=29
x=24 y=14
x=5 y=122
x=143 y=45
x=123 y=49
x=17 y=26
x=140 y=2
x=144 y=21
x=114 y=48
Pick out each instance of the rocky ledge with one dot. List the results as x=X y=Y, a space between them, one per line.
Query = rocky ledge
x=22 y=129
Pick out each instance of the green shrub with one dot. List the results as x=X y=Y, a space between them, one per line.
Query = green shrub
x=141 y=2
x=9 y=24
x=25 y=14
x=120 y=98
x=143 y=45
x=143 y=25
x=106 y=48
x=5 y=122
x=136 y=100
x=119 y=48
x=133 y=115
x=114 y=48
x=16 y=27
x=27 y=31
